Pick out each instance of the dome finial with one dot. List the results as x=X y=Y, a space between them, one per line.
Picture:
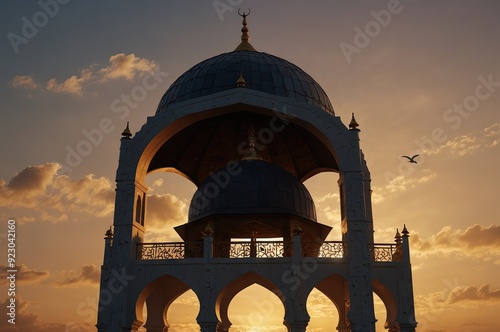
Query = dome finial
x=244 y=45
x=252 y=154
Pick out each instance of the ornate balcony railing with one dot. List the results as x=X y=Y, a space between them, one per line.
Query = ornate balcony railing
x=380 y=252
x=386 y=252
x=327 y=249
x=247 y=249
x=169 y=250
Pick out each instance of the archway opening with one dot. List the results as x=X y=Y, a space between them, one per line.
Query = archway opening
x=256 y=309
x=323 y=313
x=181 y=314
x=167 y=205
x=380 y=312
x=325 y=193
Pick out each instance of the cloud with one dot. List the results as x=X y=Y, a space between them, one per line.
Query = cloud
x=476 y=241
x=26 y=321
x=325 y=204
x=126 y=66
x=41 y=189
x=23 y=81
x=72 y=85
x=88 y=274
x=23 y=275
x=121 y=66
x=318 y=305
x=456 y=296
x=474 y=294
x=468 y=144
x=32 y=181
x=164 y=212
x=401 y=183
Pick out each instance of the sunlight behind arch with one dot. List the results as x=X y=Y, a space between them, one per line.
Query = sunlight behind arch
x=322 y=312
x=256 y=309
x=324 y=190
x=182 y=313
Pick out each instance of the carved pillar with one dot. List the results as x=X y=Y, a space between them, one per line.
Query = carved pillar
x=155 y=304
x=210 y=326
x=297 y=326
x=356 y=229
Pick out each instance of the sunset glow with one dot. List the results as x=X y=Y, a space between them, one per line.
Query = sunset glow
x=422 y=77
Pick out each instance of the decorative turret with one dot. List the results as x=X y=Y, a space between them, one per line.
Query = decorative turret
x=240 y=83
x=126 y=134
x=353 y=125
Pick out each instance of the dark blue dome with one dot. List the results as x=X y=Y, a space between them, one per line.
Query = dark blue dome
x=261 y=71
x=257 y=187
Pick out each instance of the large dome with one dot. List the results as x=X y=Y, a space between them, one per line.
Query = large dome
x=258 y=187
x=261 y=72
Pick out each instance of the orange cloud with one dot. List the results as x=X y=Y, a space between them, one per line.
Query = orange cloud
x=41 y=189
x=126 y=66
x=72 y=85
x=474 y=242
x=23 y=81
x=26 y=321
x=27 y=185
x=121 y=66
x=473 y=293
x=163 y=213
x=88 y=274
x=468 y=144
x=24 y=274
x=401 y=183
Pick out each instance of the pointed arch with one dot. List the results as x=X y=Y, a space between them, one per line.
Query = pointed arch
x=389 y=302
x=158 y=295
x=237 y=285
x=334 y=287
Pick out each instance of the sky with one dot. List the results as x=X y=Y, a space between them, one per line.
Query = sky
x=422 y=77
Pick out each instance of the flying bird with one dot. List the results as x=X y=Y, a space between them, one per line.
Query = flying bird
x=411 y=159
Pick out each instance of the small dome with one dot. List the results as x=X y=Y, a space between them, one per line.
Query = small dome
x=258 y=187
x=261 y=72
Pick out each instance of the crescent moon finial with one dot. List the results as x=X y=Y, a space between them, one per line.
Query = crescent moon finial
x=244 y=14
x=244 y=45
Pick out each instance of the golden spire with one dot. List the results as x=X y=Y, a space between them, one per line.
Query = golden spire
x=252 y=154
x=240 y=83
x=244 y=45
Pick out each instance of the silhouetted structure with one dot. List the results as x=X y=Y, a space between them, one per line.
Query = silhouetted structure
x=248 y=128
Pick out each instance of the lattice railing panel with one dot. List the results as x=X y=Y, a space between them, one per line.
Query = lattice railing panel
x=170 y=250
